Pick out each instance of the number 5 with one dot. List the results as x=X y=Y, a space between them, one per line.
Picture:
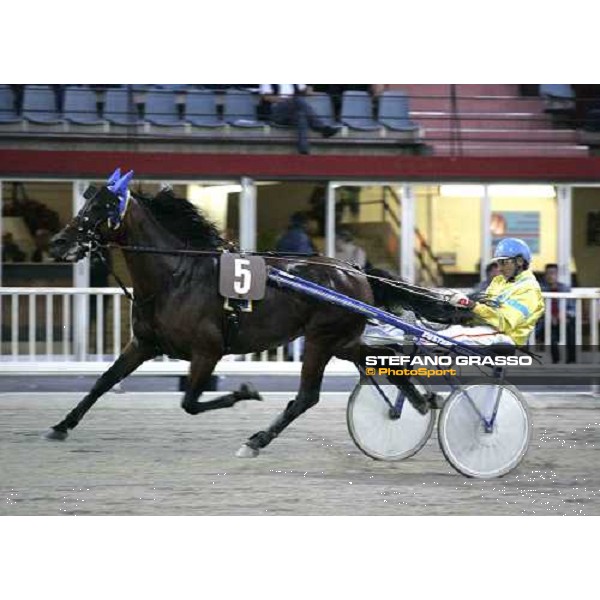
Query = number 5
x=242 y=279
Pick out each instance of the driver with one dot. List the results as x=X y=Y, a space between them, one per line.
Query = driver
x=505 y=313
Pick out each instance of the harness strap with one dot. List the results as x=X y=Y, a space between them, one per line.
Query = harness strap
x=231 y=325
x=118 y=279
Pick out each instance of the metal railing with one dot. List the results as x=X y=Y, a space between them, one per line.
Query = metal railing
x=80 y=324
x=431 y=272
x=77 y=325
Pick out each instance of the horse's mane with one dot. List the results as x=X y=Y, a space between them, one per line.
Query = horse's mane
x=182 y=219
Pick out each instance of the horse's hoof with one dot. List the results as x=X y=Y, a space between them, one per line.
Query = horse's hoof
x=55 y=434
x=248 y=392
x=246 y=452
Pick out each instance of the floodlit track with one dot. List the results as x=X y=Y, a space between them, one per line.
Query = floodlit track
x=139 y=453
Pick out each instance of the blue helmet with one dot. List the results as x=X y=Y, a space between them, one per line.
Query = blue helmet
x=511 y=248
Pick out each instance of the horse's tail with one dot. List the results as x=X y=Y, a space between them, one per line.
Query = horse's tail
x=391 y=293
x=382 y=291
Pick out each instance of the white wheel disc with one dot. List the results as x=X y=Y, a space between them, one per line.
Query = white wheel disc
x=462 y=436
x=376 y=433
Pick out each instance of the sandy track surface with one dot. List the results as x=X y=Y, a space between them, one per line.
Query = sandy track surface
x=140 y=454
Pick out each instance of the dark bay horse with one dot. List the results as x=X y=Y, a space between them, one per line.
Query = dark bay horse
x=177 y=309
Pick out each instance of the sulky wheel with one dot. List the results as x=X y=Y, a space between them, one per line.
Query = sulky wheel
x=391 y=430
x=477 y=443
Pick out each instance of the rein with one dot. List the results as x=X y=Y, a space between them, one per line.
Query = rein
x=109 y=268
x=308 y=259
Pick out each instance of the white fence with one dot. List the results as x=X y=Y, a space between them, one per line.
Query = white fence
x=51 y=330
x=45 y=329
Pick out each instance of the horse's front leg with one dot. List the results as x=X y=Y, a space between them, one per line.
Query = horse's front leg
x=201 y=369
x=316 y=357
x=132 y=357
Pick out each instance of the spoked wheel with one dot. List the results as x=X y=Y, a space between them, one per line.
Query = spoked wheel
x=391 y=430
x=484 y=429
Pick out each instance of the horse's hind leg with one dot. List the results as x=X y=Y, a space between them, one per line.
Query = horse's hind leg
x=201 y=370
x=131 y=358
x=316 y=357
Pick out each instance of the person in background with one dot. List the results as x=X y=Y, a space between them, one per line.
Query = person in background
x=10 y=249
x=41 y=254
x=285 y=104
x=346 y=249
x=296 y=240
x=550 y=283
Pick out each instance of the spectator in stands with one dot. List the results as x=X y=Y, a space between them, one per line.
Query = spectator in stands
x=18 y=90
x=296 y=239
x=550 y=283
x=346 y=249
x=42 y=245
x=285 y=104
x=491 y=271
x=10 y=249
x=376 y=90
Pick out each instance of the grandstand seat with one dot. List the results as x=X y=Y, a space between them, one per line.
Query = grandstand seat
x=323 y=107
x=559 y=99
x=201 y=109
x=81 y=106
x=173 y=87
x=357 y=111
x=161 y=109
x=393 y=112
x=559 y=91
x=7 y=106
x=39 y=105
x=240 y=109
x=119 y=108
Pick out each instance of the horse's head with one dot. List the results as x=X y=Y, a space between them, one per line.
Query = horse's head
x=101 y=214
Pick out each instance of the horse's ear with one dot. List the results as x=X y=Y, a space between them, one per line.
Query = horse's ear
x=114 y=177
x=127 y=178
x=120 y=187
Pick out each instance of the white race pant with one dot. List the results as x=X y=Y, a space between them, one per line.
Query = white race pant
x=481 y=335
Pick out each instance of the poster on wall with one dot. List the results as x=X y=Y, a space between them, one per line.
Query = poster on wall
x=520 y=224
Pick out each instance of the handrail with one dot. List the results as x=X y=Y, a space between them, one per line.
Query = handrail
x=437 y=276
x=35 y=333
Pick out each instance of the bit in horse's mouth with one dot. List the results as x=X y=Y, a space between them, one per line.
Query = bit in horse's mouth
x=73 y=255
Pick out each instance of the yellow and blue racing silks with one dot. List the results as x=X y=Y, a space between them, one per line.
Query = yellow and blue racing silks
x=513 y=307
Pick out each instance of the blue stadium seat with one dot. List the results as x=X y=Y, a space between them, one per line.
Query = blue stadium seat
x=393 y=112
x=240 y=109
x=357 y=111
x=559 y=91
x=39 y=105
x=173 y=87
x=119 y=108
x=201 y=109
x=81 y=106
x=7 y=106
x=323 y=106
x=161 y=109
x=559 y=100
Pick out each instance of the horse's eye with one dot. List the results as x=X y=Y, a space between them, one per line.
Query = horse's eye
x=90 y=192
